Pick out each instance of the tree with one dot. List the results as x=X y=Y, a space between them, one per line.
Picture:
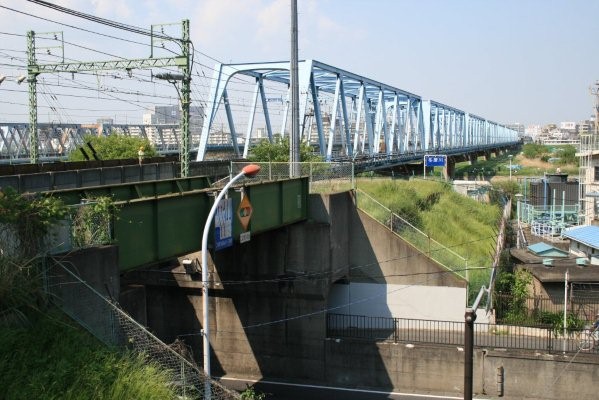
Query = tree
x=278 y=151
x=533 y=150
x=113 y=147
x=568 y=155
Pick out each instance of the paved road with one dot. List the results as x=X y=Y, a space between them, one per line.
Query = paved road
x=289 y=391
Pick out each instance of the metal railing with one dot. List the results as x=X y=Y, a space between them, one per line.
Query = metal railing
x=497 y=336
x=325 y=177
x=105 y=320
x=423 y=242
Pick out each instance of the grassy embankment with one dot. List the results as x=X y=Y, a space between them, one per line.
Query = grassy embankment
x=52 y=358
x=458 y=222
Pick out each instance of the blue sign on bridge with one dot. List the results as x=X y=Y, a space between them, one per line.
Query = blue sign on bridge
x=435 y=160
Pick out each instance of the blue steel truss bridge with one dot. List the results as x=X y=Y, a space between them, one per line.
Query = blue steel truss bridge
x=343 y=117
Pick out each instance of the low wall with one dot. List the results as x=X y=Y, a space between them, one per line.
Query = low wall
x=440 y=370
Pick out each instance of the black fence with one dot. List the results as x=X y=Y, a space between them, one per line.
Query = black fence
x=539 y=310
x=497 y=336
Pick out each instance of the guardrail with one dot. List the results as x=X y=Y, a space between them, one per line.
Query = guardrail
x=496 y=336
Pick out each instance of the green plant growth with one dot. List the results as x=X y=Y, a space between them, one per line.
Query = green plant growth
x=278 y=151
x=518 y=312
x=522 y=164
x=42 y=354
x=534 y=150
x=505 y=188
x=92 y=222
x=53 y=359
x=250 y=393
x=25 y=220
x=455 y=221
x=556 y=320
x=113 y=147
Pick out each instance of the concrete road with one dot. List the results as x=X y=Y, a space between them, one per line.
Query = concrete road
x=290 y=391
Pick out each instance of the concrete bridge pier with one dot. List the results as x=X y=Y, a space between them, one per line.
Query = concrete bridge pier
x=449 y=170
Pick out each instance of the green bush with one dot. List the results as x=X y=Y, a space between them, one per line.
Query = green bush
x=114 y=147
x=53 y=359
x=534 y=150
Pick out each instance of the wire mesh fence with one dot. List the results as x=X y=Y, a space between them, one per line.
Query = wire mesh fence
x=324 y=177
x=411 y=234
x=105 y=320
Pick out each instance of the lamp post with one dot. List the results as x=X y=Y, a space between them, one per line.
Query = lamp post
x=249 y=171
x=510 y=157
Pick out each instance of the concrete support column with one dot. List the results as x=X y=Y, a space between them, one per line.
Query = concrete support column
x=449 y=170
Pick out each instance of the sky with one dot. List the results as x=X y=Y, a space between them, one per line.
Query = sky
x=525 y=61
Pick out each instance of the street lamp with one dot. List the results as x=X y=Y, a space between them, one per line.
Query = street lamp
x=510 y=157
x=249 y=171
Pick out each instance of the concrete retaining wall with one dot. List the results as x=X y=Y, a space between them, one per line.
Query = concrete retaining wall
x=440 y=370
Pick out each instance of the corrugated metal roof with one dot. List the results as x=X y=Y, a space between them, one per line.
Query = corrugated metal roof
x=543 y=249
x=588 y=235
x=539 y=247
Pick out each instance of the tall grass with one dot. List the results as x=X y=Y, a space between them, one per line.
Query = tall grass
x=458 y=222
x=53 y=359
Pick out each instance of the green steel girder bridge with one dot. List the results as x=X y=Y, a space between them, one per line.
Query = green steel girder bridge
x=160 y=215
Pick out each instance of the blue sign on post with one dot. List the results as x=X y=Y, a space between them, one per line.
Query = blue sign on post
x=435 y=160
x=223 y=224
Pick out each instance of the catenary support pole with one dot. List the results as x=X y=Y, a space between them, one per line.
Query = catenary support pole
x=294 y=138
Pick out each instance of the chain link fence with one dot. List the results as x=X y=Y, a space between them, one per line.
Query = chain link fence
x=423 y=242
x=325 y=177
x=105 y=320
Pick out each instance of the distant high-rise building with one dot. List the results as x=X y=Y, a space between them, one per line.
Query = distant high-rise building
x=165 y=137
x=569 y=127
x=518 y=127
x=105 y=121
x=585 y=127
x=533 y=131
x=171 y=115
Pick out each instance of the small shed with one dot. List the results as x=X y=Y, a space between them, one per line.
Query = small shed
x=584 y=242
x=542 y=249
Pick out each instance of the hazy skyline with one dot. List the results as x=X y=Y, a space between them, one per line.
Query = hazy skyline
x=508 y=61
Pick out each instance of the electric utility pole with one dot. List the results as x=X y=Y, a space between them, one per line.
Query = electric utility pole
x=294 y=138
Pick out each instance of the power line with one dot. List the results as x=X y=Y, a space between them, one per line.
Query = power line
x=69 y=26
x=102 y=21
